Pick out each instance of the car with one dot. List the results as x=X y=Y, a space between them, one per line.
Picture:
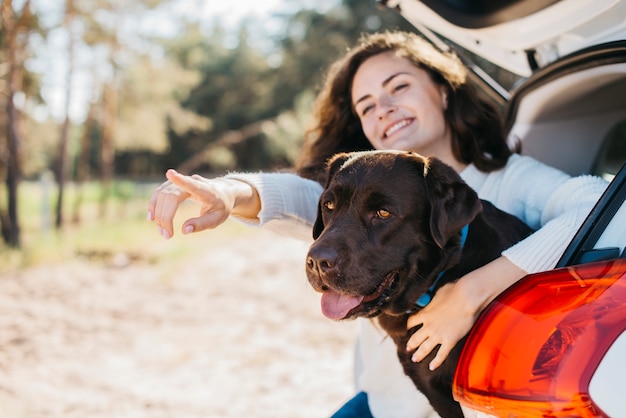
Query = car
x=553 y=344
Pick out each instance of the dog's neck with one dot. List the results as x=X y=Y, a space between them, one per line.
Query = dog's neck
x=427 y=296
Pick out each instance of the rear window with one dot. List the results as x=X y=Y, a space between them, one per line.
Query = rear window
x=613 y=152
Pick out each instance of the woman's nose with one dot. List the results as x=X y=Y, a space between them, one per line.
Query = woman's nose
x=386 y=105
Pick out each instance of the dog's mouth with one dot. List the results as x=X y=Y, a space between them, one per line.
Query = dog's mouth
x=337 y=306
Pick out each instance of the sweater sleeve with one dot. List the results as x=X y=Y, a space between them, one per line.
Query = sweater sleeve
x=560 y=218
x=288 y=202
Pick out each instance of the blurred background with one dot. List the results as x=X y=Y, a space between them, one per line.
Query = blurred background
x=100 y=97
x=99 y=315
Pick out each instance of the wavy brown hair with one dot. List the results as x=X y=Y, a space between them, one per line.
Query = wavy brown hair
x=477 y=132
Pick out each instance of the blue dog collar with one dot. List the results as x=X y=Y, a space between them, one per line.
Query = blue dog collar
x=428 y=295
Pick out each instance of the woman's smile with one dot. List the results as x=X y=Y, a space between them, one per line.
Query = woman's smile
x=395 y=127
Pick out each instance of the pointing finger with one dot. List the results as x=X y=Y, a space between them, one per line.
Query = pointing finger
x=187 y=183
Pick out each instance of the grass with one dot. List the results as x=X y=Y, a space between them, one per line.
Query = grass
x=122 y=228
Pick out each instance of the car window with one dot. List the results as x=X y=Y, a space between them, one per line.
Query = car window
x=612 y=153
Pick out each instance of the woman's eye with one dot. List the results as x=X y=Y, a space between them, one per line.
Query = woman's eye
x=400 y=86
x=329 y=205
x=366 y=110
x=383 y=214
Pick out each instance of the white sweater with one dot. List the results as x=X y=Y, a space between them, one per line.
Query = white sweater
x=547 y=199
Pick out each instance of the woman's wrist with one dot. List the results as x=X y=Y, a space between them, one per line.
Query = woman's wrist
x=475 y=295
x=484 y=284
x=245 y=198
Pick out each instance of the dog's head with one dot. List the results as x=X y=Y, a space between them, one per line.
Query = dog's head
x=388 y=223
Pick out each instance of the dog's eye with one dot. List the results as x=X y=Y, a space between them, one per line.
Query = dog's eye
x=329 y=205
x=383 y=213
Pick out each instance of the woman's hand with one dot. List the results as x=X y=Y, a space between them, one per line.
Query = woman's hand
x=455 y=307
x=218 y=199
x=445 y=320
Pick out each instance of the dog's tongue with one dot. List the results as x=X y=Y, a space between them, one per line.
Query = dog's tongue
x=337 y=306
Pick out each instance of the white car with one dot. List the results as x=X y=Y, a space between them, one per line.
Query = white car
x=553 y=345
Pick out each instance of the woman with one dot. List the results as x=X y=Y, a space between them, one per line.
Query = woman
x=395 y=91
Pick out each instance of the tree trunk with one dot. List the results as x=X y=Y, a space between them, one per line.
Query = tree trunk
x=12 y=28
x=82 y=163
x=61 y=174
x=108 y=144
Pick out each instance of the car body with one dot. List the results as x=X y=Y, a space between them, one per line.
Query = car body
x=554 y=344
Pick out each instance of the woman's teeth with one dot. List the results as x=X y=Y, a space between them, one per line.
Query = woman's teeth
x=397 y=127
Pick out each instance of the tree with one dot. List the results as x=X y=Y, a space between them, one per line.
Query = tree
x=241 y=86
x=229 y=95
x=101 y=34
x=15 y=27
x=61 y=172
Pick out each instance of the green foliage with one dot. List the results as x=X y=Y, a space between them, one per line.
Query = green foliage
x=176 y=96
x=240 y=86
x=147 y=99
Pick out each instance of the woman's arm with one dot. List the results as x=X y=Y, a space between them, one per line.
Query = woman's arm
x=283 y=202
x=288 y=202
x=558 y=207
x=564 y=211
x=218 y=199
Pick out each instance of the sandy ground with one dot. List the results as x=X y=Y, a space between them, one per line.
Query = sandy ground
x=236 y=333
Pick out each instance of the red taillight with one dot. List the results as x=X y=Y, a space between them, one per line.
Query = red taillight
x=535 y=348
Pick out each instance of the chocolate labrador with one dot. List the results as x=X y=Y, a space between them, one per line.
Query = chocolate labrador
x=392 y=228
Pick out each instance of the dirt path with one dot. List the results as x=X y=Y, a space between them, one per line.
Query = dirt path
x=238 y=334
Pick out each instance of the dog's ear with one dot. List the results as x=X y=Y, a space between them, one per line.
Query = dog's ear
x=453 y=203
x=334 y=163
x=332 y=166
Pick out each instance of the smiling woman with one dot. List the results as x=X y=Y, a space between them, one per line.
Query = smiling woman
x=386 y=84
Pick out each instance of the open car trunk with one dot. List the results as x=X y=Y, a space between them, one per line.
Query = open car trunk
x=570 y=57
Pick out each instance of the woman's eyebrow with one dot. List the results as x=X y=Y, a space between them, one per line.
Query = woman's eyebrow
x=384 y=83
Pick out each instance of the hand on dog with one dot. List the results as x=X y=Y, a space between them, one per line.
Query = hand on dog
x=455 y=308
x=217 y=198
x=445 y=320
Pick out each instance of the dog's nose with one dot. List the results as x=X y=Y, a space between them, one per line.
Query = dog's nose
x=322 y=259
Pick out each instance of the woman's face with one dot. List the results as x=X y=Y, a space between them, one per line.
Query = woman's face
x=400 y=107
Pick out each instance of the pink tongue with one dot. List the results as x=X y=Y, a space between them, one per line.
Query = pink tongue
x=337 y=306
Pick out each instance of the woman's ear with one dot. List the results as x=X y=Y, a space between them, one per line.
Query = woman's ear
x=444 y=97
